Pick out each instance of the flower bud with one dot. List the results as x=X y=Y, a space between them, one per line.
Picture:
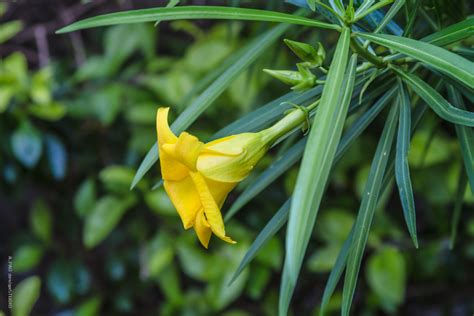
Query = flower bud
x=307 y=53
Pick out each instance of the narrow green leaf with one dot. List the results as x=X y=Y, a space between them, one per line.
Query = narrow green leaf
x=367 y=209
x=466 y=138
x=338 y=6
x=375 y=7
x=286 y=291
x=317 y=160
x=439 y=105
x=413 y=9
x=459 y=198
x=251 y=52
x=397 y=5
x=272 y=227
x=439 y=58
x=336 y=272
x=451 y=34
x=193 y=12
x=416 y=115
x=402 y=171
x=363 y=7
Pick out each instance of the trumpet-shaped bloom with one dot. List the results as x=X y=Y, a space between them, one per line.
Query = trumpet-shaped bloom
x=197 y=176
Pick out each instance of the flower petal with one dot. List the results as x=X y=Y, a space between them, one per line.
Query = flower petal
x=219 y=190
x=171 y=169
x=211 y=210
x=165 y=135
x=231 y=159
x=202 y=228
x=230 y=145
x=187 y=150
x=185 y=198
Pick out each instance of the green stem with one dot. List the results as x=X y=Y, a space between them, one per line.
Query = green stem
x=376 y=60
x=289 y=122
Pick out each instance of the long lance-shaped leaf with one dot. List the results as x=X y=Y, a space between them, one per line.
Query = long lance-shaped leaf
x=346 y=141
x=402 y=171
x=289 y=158
x=366 y=4
x=439 y=105
x=396 y=6
x=367 y=209
x=417 y=114
x=193 y=13
x=338 y=6
x=341 y=260
x=251 y=52
x=412 y=15
x=272 y=227
x=374 y=18
x=465 y=136
x=439 y=58
x=317 y=160
x=322 y=143
x=451 y=34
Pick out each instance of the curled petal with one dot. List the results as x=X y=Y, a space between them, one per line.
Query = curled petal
x=211 y=210
x=165 y=135
x=171 y=169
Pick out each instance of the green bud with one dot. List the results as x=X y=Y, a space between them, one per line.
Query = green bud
x=286 y=76
x=300 y=80
x=307 y=53
x=321 y=53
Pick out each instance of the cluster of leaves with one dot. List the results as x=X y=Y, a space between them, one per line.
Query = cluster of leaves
x=129 y=246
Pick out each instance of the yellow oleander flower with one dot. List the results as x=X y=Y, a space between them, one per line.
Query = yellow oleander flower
x=197 y=176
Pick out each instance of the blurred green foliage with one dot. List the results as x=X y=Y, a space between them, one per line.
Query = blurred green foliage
x=69 y=151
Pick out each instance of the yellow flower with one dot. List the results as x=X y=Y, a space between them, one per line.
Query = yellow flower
x=197 y=176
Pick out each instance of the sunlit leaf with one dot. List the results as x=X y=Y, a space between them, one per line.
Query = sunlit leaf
x=439 y=58
x=466 y=137
x=317 y=160
x=442 y=107
x=402 y=172
x=193 y=12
